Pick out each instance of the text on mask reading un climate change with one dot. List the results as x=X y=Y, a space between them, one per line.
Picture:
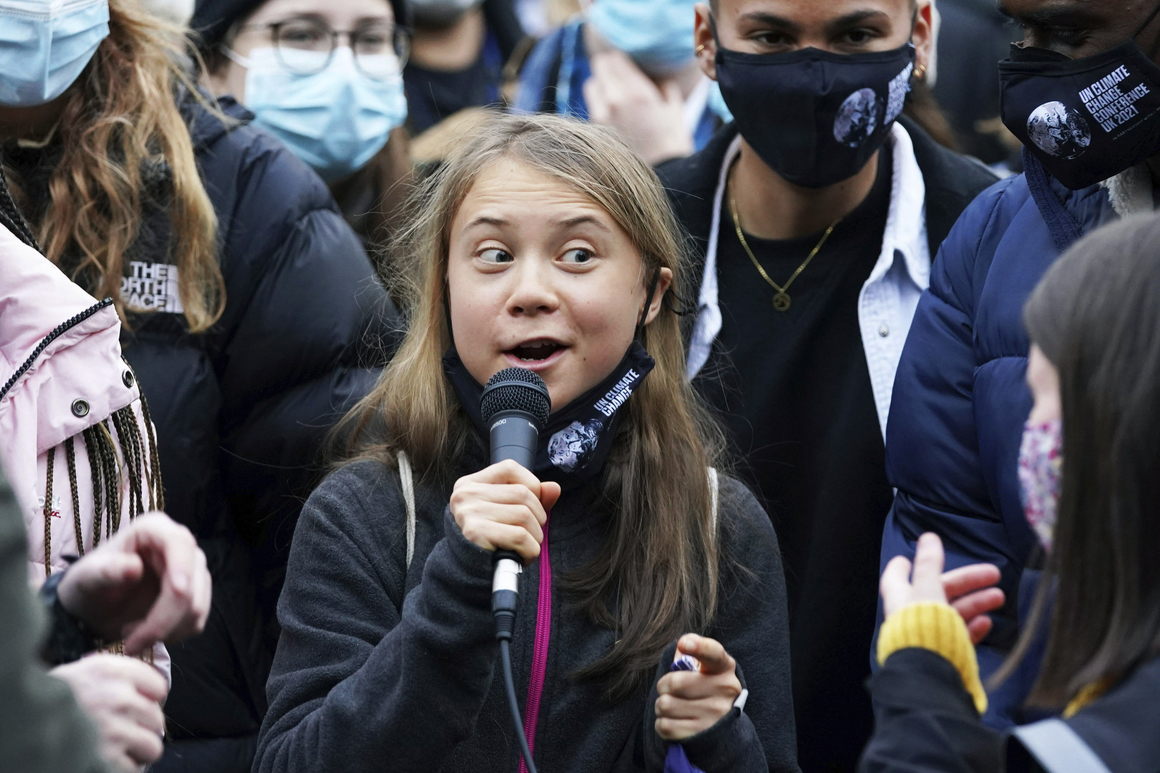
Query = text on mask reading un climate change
x=1108 y=104
x=618 y=394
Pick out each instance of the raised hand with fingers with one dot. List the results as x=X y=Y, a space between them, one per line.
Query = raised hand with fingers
x=690 y=702
x=969 y=589
x=147 y=584
x=504 y=507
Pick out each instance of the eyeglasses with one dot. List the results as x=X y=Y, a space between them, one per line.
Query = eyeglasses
x=305 y=46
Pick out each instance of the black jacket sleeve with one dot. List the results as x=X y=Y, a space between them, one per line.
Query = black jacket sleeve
x=359 y=680
x=753 y=625
x=924 y=720
x=43 y=730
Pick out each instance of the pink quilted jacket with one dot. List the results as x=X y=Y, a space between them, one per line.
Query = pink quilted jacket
x=67 y=397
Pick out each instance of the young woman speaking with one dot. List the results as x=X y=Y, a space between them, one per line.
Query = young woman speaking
x=543 y=244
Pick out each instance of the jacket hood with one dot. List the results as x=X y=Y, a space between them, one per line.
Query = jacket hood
x=43 y=316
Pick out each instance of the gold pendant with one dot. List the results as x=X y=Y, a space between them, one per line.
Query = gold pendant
x=781 y=302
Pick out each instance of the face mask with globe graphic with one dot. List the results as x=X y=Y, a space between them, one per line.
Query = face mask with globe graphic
x=1085 y=120
x=815 y=117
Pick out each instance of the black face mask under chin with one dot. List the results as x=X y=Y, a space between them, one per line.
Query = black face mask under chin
x=1084 y=120
x=815 y=117
x=578 y=437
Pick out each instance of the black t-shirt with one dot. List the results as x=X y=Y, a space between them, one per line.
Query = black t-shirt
x=793 y=390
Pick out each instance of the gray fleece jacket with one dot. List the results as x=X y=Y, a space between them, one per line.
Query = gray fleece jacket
x=384 y=668
x=42 y=730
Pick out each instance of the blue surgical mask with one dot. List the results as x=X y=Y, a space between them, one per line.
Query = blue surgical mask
x=335 y=120
x=45 y=45
x=657 y=34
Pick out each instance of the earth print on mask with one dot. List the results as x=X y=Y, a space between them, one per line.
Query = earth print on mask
x=1059 y=130
x=857 y=118
x=569 y=448
x=578 y=437
x=834 y=111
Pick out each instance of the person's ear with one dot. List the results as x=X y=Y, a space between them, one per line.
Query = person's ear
x=923 y=37
x=703 y=40
x=664 y=282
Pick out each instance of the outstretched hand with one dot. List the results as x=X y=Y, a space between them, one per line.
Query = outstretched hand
x=149 y=583
x=969 y=589
x=690 y=702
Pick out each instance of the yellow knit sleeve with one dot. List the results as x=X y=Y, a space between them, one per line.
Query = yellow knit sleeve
x=937 y=627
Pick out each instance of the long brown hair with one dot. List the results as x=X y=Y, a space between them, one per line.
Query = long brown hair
x=121 y=119
x=660 y=559
x=1096 y=318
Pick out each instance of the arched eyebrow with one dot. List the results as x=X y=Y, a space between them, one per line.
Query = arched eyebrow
x=857 y=17
x=579 y=220
x=484 y=220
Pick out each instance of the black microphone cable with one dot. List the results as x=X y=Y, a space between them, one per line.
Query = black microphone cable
x=515 y=405
x=504 y=597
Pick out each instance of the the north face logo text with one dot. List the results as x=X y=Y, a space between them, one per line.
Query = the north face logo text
x=151 y=287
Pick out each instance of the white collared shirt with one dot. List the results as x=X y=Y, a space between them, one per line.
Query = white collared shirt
x=889 y=297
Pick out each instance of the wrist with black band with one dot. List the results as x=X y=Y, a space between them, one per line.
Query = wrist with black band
x=69 y=638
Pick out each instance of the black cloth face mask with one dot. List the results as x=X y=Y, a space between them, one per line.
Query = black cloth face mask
x=815 y=117
x=578 y=437
x=1088 y=119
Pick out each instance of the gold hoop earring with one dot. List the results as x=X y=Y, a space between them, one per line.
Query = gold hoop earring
x=920 y=73
x=699 y=49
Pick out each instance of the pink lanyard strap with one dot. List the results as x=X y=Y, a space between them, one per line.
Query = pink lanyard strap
x=540 y=656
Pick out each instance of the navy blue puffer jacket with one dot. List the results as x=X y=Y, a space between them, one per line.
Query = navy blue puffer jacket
x=960 y=401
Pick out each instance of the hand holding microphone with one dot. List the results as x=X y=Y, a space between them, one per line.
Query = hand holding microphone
x=504 y=507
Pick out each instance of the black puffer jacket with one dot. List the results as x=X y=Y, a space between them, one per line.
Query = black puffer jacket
x=243 y=411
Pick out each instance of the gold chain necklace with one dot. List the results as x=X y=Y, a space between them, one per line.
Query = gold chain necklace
x=781 y=300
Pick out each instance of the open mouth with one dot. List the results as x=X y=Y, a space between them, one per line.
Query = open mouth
x=536 y=351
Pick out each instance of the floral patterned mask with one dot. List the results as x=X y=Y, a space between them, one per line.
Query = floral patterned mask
x=1040 y=474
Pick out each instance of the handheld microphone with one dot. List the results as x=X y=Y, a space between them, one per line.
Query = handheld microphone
x=515 y=405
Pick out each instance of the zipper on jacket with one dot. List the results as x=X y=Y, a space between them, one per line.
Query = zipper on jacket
x=540 y=653
x=56 y=333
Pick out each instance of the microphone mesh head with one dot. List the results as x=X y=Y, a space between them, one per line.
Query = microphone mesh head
x=516 y=389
